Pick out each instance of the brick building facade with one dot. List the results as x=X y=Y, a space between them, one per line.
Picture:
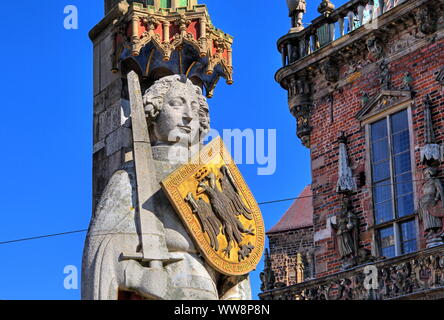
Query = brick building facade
x=372 y=71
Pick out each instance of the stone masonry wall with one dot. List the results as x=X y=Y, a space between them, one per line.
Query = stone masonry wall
x=112 y=133
x=284 y=247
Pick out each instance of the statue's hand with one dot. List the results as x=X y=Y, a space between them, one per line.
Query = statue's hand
x=148 y=282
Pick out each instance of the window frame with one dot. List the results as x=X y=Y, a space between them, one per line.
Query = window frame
x=396 y=221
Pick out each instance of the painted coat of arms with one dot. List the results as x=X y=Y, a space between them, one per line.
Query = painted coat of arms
x=219 y=211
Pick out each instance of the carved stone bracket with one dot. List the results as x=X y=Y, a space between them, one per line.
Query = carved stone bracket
x=302 y=114
x=300 y=102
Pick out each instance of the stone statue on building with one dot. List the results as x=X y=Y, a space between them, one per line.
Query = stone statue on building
x=431 y=207
x=297 y=10
x=347 y=233
x=178 y=119
x=385 y=76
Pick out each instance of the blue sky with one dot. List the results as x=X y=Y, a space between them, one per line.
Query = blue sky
x=47 y=130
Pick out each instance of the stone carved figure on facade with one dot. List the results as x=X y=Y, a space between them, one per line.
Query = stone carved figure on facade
x=347 y=234
x=385 y=77
x=177 y=115
x=297 y=10
x=374 y=46
x=330 y=69
x=407 y=82
x=365 y=98
x=431 y=206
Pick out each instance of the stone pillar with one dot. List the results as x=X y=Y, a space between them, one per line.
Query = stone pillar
x=112 y=135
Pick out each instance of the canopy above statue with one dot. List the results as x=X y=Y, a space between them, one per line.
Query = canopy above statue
x=158 y=38
x=158 y=4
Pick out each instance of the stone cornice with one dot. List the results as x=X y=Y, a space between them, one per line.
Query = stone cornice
x=355 y=39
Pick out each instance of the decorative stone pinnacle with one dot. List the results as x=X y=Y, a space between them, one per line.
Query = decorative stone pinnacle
x=326 y=8
x=431 y=152
x=346 y=183
x=430 y=135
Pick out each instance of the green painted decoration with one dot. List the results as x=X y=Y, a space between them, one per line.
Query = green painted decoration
x=165 y=3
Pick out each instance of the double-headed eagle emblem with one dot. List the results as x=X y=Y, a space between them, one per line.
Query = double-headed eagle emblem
x=220 y=216
x=218 y=209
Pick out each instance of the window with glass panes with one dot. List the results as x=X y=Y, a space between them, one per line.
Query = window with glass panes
x=392 y=185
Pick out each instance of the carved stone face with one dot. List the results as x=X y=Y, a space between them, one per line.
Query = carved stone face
x=177 y=110
x=179 y=119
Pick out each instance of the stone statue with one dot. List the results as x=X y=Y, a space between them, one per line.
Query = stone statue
x=385 y=77
x=430 y=213
x=297 y=9
x=347 y=232
x=178 y=118
x=375 y=47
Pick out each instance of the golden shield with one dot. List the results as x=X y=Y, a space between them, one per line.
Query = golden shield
x=218 y=209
